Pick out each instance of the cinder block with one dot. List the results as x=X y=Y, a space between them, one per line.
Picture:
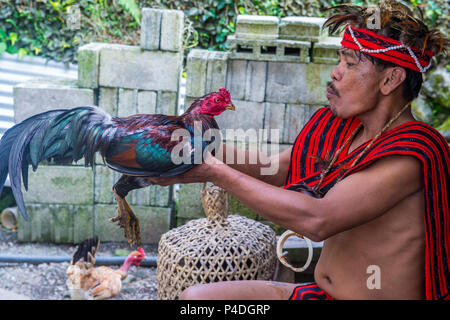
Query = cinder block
x=130 y=67
x=324 y=51
x=104 y=180
x=151 y=28
x=146 y=102
x=88 y=57
x=172 y=27
x=196 y=66
x=236 y=79
x=127 y=105
x=83 y=220
x=216 y=76
x=42 y=223
x=107 y=100
x=255 y=84
x=167 y=103
x=248 y=115
x=42 y=95
x=302 y=28
x=305 y=84
x=269 y=50
x=190 y=201
x=60 y=185
x=296 y=118
x=274 y=120
x=206 y=72
x=257 y=27
x=151 y=196
x=56 y=223
x=153 y=221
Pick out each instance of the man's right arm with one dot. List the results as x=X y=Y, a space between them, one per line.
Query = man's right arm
x=270 y=169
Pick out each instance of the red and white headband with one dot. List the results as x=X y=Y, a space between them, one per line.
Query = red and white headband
x=387 y=49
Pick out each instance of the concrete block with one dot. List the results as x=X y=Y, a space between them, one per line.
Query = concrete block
x=236 y=79
x=127 y=104
x=259 y=27
x=172 y=27
x=190 y=202
x=108 y=100
x=104 y=180
x=296 y=118
x=248 y=115
x=297 y=83
x=146 y=102
x=58 y=223
x=42 y=223
x=255 y=84
x=60 y=185
x=196 y=66
x=151 y=196
x=64 y=225
x=269 y=50
x=153 y=221
x=151 y=28
x=324 y=51
x=302 y=28
x=88 y=57
x=83 y=220
x=130 y=67
x=216 y=75
x=274 y=120
x=167 y=103
x=42 y=95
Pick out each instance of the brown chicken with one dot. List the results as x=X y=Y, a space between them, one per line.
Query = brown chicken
x=87 y=282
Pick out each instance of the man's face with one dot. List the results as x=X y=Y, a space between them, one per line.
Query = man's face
x=355 y=85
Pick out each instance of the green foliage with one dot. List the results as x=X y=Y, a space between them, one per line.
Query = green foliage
x=45 y=28
x=133 y=8
x=41 y=27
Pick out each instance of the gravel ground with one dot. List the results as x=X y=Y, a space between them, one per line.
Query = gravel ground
x=47 y=281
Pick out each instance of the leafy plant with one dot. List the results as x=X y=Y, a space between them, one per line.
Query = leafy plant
x=133 y=8
x=37 y=27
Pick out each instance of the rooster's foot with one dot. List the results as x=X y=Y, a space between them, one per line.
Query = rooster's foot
x=127 y=220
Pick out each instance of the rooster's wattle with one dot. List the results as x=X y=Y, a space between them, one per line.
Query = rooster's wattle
x=137 y=146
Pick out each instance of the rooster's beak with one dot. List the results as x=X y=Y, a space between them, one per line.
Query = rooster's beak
x=231 y=107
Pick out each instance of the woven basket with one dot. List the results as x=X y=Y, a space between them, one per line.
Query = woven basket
x=215 y=248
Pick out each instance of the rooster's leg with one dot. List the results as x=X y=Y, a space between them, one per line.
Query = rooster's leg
x=126 y=218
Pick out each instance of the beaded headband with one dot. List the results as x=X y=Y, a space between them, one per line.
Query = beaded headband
x=387 y=49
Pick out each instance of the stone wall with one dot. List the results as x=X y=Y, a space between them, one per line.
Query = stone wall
x=276 y=71
x=67 y=204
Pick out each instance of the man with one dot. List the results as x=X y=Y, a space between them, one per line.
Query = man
x=382 y=201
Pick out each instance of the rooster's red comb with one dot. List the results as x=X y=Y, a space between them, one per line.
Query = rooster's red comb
x=225 y=93
x=141 y=251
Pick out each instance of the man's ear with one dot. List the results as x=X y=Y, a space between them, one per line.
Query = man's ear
x=392 y=79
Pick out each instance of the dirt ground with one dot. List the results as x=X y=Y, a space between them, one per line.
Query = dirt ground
x=47 y=281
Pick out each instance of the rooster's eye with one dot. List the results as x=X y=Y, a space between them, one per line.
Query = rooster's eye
x=217 y=100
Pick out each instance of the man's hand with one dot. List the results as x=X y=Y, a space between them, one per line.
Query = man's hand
x=200 y=173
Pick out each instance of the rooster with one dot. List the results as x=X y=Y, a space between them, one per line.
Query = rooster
x=89 y=283
x=137 y=146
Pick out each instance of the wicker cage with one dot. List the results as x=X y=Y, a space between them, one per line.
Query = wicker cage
x=216 y=248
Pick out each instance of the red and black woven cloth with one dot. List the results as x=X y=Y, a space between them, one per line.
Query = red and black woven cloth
x=324 y=134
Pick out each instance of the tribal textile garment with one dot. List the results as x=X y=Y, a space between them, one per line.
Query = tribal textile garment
x=309 y=292
x=324 y=134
